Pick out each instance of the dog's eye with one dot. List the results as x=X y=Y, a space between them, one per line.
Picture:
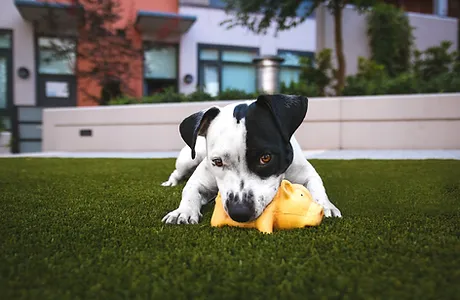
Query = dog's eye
x=217 y=162
x=265 y=159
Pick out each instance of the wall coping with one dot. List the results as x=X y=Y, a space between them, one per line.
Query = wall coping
x=225 y=102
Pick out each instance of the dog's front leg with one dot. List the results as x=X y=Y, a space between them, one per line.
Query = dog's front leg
x=304 y=173
x=315 y=185
x=200 y=189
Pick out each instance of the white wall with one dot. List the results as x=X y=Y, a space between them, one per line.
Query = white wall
x=375 y=122
x=23 y=55
x=429 y=31
x=206 y=30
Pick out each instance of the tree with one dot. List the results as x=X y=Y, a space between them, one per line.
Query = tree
x=258 y=16
x=107 y=49
x=391 y=45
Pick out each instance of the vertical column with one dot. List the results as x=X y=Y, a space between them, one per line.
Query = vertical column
x=268 y=74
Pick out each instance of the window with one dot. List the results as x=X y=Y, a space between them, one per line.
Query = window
x=222 y=68
x=3 y=82
x=291 y=66
x=302 y=9
x=5 y=40
x=5 y=70
x=217 y=3
x=56 y=56
x=160 y=67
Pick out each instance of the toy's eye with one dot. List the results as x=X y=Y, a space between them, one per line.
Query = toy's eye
x=265 y=159
x=217 y=162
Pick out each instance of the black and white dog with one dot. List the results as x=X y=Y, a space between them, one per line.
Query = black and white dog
x=244 y=151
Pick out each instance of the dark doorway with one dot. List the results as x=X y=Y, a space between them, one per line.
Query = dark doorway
x=153 y=86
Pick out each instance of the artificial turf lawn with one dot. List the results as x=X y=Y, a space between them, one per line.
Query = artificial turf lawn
x=90 y=228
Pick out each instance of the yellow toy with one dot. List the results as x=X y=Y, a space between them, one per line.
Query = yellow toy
x=292 y=207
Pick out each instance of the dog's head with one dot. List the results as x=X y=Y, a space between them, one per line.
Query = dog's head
x=248 y=148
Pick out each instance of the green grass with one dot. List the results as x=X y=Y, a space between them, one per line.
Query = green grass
x=91 y=228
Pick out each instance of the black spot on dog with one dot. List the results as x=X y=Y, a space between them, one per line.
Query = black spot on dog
x=270 y=123
x=239 y=112
x=241 y=185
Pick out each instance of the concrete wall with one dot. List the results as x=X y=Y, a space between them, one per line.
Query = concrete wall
x=429 y=31
x=206 y=30
x=377 y=122
x=23 y=55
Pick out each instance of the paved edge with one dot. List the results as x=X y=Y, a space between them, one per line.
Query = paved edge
x=317 y=154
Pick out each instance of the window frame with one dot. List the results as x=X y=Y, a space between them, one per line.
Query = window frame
x=7 y=112
x=219 y=63
x=175 y=81
x=221 y=6
x=37 y=54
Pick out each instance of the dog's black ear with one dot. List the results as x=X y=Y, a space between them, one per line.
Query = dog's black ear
x=287 y=110
x=195 y=125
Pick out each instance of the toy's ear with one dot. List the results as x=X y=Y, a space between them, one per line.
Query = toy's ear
x=197 y=124
x=287 y=189
x=288 y=111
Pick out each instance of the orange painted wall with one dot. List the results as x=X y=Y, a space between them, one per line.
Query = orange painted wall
x=130 y=9
x=171 y=6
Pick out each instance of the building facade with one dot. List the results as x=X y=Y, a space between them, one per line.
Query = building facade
x=183 y=47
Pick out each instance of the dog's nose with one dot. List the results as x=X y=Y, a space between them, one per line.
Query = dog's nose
x=239 y=211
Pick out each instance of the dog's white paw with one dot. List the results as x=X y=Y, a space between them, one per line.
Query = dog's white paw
x=169 y=183
x=329 y=209
x=182 y=216
x=332 y=212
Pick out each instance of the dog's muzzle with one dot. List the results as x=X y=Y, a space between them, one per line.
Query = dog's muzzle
x=240 y=210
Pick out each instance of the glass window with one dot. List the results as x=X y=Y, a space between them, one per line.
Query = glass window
x=209 y=54
x=304 y=8
x=3 y=82
x=290 y=59
x=217 y=3
x=30 y=131
x=30 y=114
x=5 y=40
x=229 y=69
x=211 y=80
x=288 y=75
x=56 y=56
x=160 y=62
x=29 y=147
x=238 y=56
x=291 y=66
x=239 y=77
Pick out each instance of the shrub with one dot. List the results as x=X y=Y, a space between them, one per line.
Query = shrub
x=123 y=101
x=316 y=74
x=235 y=94
x=435 y=61
x=300 y=88
x=369 y=80
x=168 y=95
x=443 y=83
x=199 y=95
x=390 y=38
x=405 y=83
